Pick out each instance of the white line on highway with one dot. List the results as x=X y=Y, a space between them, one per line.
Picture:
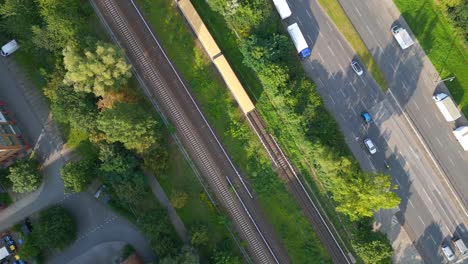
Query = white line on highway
x=410 y=203
x=438 y=141
x=321 y=83
x=448 y=230
x=320 y=56
x=308 y=13
x=331 y=98
x=357 y=10
x=397 y=181
x=341 y=67
x=393 y=67
x=342 y=116
x=299 y=20
x=420 y=219
x=427 y=122
x=354 y=111
x=352 y=86
x=331 y=28
x=310 y=38
x=451 y=161
x=320 y=34
x=415 y=104
x=414 y=152
x=331 y=51
x=344 y=95
x=433 y=240
x=436 y=188
x=427 y=195
x=370 y=31
x=333 y=76
x=412 y=77
x=341 y=45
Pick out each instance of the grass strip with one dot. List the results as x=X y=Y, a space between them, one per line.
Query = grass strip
x=342 y=22
x=243 y=146
x=441 y=43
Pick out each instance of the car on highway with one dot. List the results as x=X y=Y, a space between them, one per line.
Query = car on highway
x=448 y=252
x=357 y=67
x=366 y=117
x=370 y=146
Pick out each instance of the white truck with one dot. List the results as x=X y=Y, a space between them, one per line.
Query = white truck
x=402 y=37
x=461 y=134
x=283 y=8
x=4 y=253
x=300 y=43
x=447 y=107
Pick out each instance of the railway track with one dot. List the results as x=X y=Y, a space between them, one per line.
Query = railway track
x=181 y=110
x=321 y=225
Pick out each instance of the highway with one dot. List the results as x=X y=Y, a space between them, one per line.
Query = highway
x=428 y=211
x=168 y=93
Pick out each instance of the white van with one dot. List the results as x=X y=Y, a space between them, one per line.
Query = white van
x=9 y=48
x=460 y=246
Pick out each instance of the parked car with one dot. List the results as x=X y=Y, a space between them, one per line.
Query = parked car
x=448 y=252
x=99 y=191
x=9 y=48
x=366 y=116
x=357 y=68
x=370 y=146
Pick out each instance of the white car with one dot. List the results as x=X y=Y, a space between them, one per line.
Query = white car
x=370 y=146
x=357 y=68
x=9 y=48
x=448 y=252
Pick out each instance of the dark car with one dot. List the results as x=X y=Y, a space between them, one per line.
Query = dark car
x=366 y=116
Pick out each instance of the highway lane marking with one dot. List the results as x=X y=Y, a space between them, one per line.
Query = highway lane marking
x=363 y=82
x=393 y=67
x=410 y=203
x=370 y=31
x=333 y=76
x=436 y=188
x=331 y=98
x=320 y=33
x=414 y=152
x=342 y=116
x=341 y=45
x=355 y=8
x=341 y=67
x=451 y=161
x=321 y=82
x=331 y=28
x=352 y=86
x=427 y=123
x=427 y=195
x=448 y=230
x=397 y=181
x=438 y=140
x=310 y=39
x=331 y=51
x=299 y=20
x=354 y=111
x=415 y=104
x=420 y=219
x=320 y=56
x=344 y=95
x=432 y=238
x=308 y=13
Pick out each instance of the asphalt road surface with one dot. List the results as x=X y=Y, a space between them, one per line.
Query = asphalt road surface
x=168 y=93
x=428 y=209
x=96 y=222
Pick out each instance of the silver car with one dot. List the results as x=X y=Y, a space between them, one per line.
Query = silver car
x=357 y=68
x=370 y=146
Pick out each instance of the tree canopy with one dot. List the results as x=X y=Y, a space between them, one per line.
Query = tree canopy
x=98 y=71
x=77 y=175
x=56 y=228
x=25 y=176
x=129 y=124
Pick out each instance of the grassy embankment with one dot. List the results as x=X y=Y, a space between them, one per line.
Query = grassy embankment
x=342 y=22
x=440 y=42
x=243 y=146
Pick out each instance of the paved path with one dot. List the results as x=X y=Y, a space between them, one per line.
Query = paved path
x=96 y=222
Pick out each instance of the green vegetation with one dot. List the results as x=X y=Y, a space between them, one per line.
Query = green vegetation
x=77 y=175
x=242 y=144
x=54 y=229
x=25 y=176
x=441 y=29
x=341 y=20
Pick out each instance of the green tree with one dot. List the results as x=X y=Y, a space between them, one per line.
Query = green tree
x=375 y=252
x=98 y=71
x=55 y=228
x=77 y=175
x=17 y=18
x=187 y=255
x=29 y=249
x=116 y=161
x=360 y=194
x=156 y=227
x=25 y=176
x=178 y=199
x=129 y=124
x=224 y=257
x=199 y=236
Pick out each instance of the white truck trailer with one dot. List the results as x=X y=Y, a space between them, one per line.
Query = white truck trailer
x=447 y=107
x=283 y=8
x=402 y=37
x=300 y=43
x=461 y=134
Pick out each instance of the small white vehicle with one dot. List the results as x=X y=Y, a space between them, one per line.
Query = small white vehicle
x=283 y=8
x=402 y=37
x=448 y=252
x=370 y=146
x=9 y=48
x=460 y=245
x=357 y=68
x=461 y=134
x=447 y=107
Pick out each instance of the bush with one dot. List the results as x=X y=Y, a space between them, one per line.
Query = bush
x=77 y=175
x=178 y=199
x=25 y=176
x=56 y=228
